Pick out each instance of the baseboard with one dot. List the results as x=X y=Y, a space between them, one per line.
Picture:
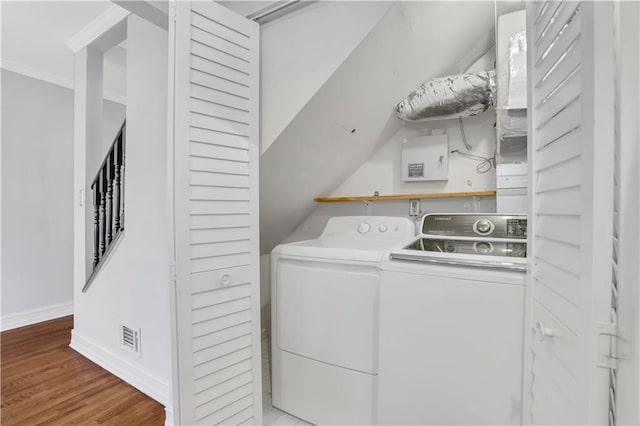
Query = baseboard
x=117 y=365
x=33 y=316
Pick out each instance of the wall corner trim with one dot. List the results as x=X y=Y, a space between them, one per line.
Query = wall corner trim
x=33 y=316
x=136 y=376
x=97 y=27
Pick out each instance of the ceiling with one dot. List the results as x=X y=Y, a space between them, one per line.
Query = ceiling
x=34 y=36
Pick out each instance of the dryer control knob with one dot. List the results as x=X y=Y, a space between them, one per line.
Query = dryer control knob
x=364 y=227
x=382 y=228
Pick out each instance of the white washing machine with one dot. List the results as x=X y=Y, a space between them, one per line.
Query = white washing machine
x=451 y=323
x=325 y=301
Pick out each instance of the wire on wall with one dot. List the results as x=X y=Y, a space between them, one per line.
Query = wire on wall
x=485 y=163
x=464 y=135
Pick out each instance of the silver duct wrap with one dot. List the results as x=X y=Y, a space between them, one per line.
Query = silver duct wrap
x=454 y=96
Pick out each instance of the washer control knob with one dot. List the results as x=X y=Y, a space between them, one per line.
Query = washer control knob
x=382 y=228
x=483 y=226
x=364 y=227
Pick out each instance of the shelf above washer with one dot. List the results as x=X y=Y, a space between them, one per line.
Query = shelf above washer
x=404 y=196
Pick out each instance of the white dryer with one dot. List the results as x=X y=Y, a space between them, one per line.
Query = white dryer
x=451 y=323
x=325 y=301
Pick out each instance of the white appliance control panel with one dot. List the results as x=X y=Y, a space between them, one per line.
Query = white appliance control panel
x=473 y=225
x=369 y=227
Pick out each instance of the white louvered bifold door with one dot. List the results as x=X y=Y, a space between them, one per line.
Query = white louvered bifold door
x=571 y=92
x=214 y=86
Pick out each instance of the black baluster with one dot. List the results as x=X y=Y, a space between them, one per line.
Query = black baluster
x=108 y=202
x=109 y=177
x=103 y=205
x=96 y=223
x=116 y=184
x=121 y=150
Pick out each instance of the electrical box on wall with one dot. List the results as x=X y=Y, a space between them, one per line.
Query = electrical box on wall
x=425 y=158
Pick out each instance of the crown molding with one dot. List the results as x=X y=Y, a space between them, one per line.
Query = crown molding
x=96 y=28
x=36 y=73
x=67 y=83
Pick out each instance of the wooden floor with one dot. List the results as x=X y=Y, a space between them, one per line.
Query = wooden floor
x=46 y=382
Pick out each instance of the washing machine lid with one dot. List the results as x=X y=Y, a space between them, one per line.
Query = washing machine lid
x=353 y=239
x=339 y=249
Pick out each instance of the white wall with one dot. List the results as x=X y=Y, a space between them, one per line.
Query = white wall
x=299 y=52
x=133 y=287
x=382 y=171
x=37 y=198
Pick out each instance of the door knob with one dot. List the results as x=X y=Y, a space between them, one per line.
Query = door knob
x=225 y=280
x=542 y=331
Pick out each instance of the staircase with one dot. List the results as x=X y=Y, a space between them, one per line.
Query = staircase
x=108 y=203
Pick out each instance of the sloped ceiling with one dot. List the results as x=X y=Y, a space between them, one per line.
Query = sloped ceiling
x=351 y=115
x=300 y=51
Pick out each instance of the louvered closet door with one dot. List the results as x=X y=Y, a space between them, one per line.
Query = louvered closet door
x=215 y=205
x=571 y=153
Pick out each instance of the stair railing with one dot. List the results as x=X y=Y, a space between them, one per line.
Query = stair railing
x=108 y=203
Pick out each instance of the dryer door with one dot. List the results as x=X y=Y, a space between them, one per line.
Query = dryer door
x=328 y=312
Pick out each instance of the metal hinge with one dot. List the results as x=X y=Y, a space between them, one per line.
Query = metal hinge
x=172 y=12
x=612 y=347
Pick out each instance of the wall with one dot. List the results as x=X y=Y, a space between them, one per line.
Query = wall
x=299 y=52
x=37 y=198
x=133 y=287
x=382 y=171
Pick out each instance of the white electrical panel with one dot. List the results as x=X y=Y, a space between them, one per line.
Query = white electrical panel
x=425 y=158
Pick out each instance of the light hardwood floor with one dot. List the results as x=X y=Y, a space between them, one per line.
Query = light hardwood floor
x=43 y=381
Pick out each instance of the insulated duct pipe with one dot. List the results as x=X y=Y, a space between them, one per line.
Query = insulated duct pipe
x=454 y=96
